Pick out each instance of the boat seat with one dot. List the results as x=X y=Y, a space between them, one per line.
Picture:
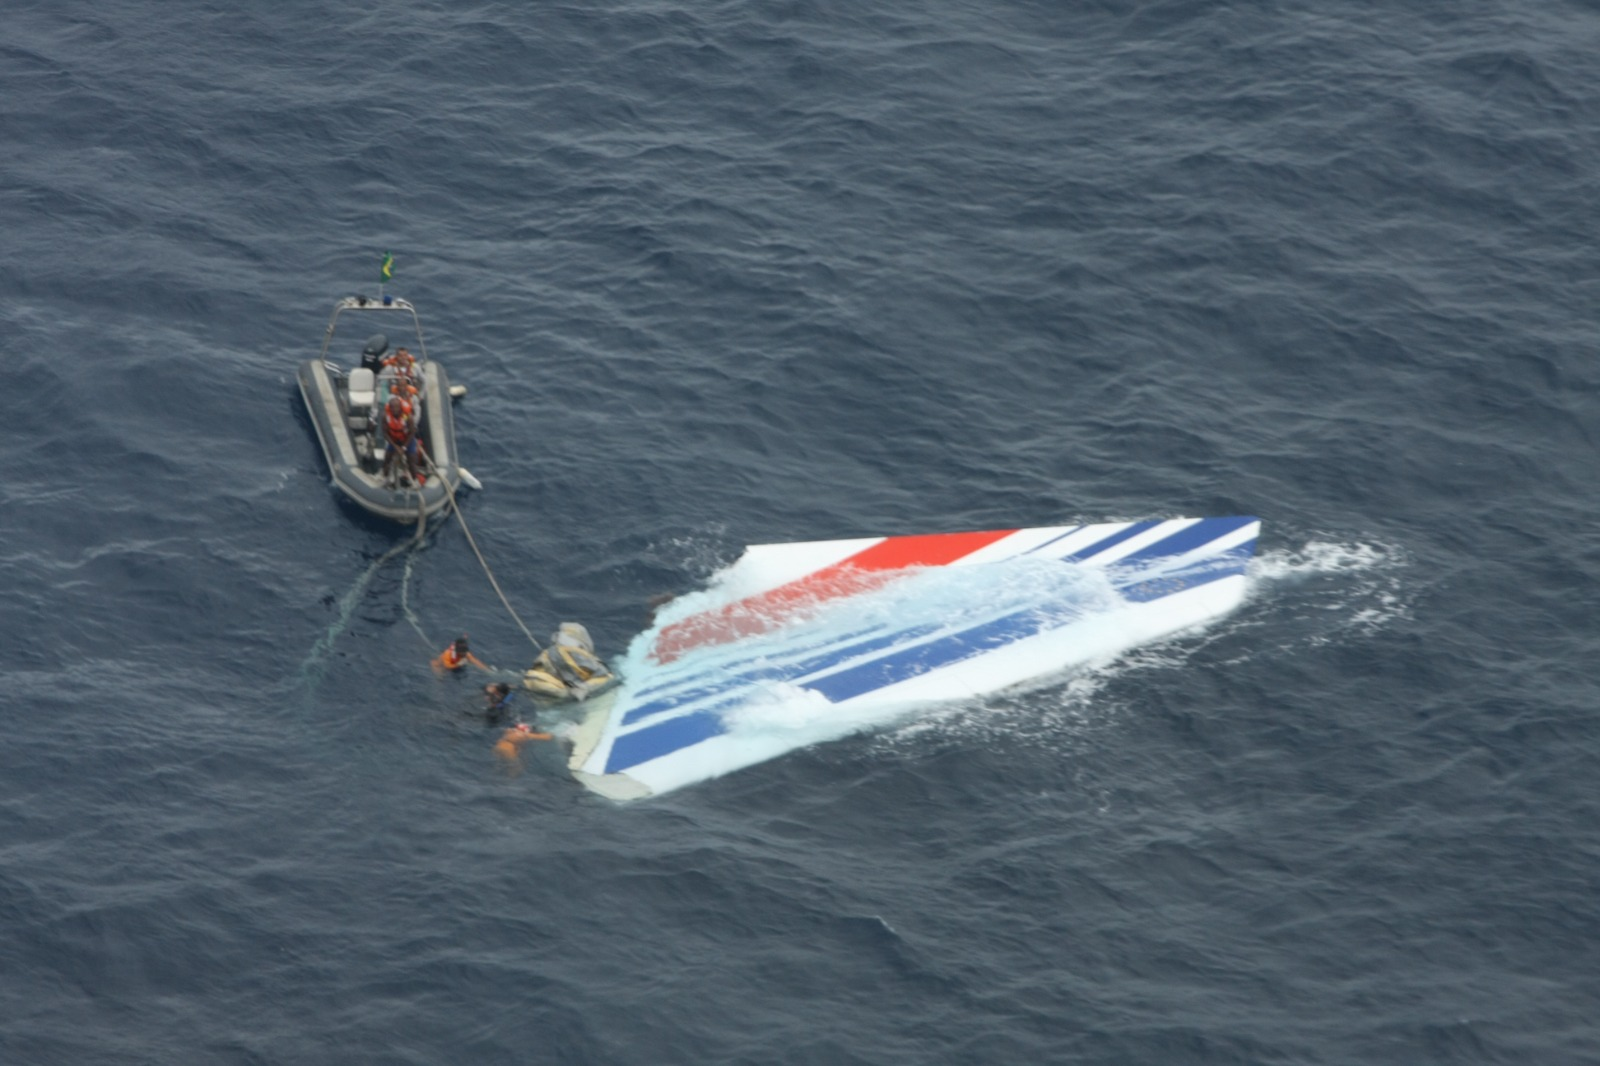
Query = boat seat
x=363 y=389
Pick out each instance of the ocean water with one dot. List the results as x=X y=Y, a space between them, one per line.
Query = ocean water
x=725 y=274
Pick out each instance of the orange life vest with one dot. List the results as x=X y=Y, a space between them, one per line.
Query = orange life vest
x=399 y=428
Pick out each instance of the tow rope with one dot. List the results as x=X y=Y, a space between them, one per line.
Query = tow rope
x=353 y=597
x=487 y=572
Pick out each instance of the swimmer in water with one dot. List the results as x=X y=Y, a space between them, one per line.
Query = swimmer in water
x=455 y=658
x=511 y=741
x=497 y=699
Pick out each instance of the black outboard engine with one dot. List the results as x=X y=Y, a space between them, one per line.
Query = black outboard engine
x=372 y=354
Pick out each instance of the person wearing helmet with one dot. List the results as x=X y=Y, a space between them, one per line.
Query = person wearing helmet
x=456 y=657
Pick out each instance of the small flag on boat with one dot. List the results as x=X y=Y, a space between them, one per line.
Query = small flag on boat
x=386 y=271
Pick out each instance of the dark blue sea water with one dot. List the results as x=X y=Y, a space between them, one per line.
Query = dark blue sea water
x=736 y=273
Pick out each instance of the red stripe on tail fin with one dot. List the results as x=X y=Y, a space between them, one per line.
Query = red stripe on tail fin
x=867 y=569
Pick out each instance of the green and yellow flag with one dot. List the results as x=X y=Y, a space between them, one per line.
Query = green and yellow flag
x=386 y=271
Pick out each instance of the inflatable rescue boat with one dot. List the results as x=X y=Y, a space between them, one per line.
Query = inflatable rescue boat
x=347 y=408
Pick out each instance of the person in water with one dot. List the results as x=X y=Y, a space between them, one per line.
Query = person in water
x=510 y=744
x=456 y=657
x=497 y=698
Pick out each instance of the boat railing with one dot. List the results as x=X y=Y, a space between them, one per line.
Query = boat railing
x=370 y=303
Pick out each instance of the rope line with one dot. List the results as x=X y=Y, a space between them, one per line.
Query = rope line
x=352 y=598
x=487 y=572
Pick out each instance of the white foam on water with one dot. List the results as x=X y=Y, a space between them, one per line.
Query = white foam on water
x=1321 y=557
x=703 y=554
x=1341 y=590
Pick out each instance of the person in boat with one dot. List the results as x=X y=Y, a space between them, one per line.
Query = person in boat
x=406 y=389
x=405 y=366
x=509 y=746
x=400 y=436
x=568 y=668
x=497 y=699
x=406 y=392
x=456 y=658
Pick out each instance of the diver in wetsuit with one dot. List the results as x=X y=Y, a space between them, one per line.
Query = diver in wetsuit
x=497 y=700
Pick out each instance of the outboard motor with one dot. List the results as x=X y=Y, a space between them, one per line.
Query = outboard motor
x=372 y=353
